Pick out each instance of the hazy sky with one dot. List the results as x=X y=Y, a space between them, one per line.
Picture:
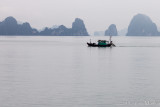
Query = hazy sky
x=97 y=14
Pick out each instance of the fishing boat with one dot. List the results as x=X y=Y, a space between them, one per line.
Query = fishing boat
x=101 y=43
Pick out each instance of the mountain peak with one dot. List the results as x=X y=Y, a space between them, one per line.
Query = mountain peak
x=11 y=19
x=142 y=25
x=10 y=27
x=79 y=28
x=111 y=31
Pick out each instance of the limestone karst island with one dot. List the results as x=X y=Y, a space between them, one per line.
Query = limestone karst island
x=140 y=25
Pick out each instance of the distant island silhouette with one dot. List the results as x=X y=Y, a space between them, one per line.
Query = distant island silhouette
x=10 y=27
x=140 y=25
x=111 y=31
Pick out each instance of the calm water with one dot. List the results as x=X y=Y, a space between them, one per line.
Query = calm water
x=64 y=72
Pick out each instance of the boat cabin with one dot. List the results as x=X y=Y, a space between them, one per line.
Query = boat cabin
x=103 y=42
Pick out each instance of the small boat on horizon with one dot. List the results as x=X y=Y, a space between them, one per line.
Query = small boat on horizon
x=101 y=43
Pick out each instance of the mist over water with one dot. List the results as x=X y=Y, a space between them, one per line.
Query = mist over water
x=65 y=72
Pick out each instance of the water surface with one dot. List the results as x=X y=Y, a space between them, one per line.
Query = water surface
x=65 y=72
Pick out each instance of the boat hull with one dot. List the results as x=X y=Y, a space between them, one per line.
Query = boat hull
x=96 y=45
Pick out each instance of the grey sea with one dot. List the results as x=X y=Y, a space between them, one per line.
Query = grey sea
x=64 y=72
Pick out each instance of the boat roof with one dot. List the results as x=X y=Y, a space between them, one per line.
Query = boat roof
x=102 y=41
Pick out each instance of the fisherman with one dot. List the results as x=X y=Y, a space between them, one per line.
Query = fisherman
x=112 y=44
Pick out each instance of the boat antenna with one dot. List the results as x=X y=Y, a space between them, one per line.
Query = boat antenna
x=90 y=40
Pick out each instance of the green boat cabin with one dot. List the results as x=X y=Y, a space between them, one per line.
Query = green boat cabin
x=102 y=42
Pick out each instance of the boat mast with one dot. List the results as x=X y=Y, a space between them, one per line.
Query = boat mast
x=110 y=36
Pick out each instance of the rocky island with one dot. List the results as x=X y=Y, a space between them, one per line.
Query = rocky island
x=10 y=27
x=142 y=25
x=111 y=31
x=78 y=29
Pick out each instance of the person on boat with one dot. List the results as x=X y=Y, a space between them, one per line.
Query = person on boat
x=112 y=43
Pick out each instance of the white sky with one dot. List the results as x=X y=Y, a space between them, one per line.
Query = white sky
x=97 y=14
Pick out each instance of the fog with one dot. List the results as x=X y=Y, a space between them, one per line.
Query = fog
x=97 y=14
